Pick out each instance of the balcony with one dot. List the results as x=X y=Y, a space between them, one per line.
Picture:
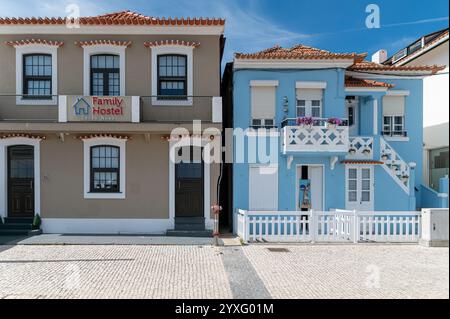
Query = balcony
x=109 y=109
x=317 y=135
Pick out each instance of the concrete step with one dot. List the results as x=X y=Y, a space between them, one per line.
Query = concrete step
x=187 y=227
x=17 y=220
x=19 y=232
x=189 y=233
x=10 y=226
x=190 y=220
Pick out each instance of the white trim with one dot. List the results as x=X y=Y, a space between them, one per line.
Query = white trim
x=107 y=29
x=310 y=85
x=297 y=184
x=365 y=89
x=359 y=168
x=263 y=83
x=4 y=144
x=375 y=116
x=209 y=223
x=397 y=138
x=398 y=93
x=102 y=49
x=217 y=106
x=422 y=51
x=105 y=226
x=291 y=64
x=135 y=109
x=398 y=75
x=36 y=49
x=87 y=144
x=171 y=49
x=62 y=109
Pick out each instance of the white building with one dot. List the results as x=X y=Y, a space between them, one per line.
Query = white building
x=431 y=49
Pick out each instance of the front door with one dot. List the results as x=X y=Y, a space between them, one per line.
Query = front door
x=189 y=184
x=360 y=188
x=310 y=188
x=21 y=181
x=352 y=115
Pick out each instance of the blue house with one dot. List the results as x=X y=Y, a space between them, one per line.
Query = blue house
x=316 y=130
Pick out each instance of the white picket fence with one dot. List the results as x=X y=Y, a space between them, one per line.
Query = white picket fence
x=329 y=227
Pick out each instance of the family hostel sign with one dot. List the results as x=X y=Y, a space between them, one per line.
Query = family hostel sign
x=99 y=108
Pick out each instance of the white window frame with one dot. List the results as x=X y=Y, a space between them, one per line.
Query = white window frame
x=87 y=145
x=188 y=51
x=309 y=108
x=358 y=204
x=90 y=50
x=4 y=144
x=36 y=49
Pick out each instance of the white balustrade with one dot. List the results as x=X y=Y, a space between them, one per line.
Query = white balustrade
x=395 y=165
x=315 y=139
x=360 y=148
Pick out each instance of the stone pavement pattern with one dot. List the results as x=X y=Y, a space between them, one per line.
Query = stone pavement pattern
x=320 y=271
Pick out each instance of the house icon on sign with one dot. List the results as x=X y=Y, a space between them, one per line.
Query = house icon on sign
x=81 y=107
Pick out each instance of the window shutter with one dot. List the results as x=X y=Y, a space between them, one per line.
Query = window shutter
x=309 y=94
x=263 y=188
x=393 y=106
x=263 y=102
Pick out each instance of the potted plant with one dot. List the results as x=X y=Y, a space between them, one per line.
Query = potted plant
x=394 y=167
x=367 y=151
x=305 y=122
x=405 y=177
x=352 y=151
x=384 y=157
x=333 y=122
x=37 y=222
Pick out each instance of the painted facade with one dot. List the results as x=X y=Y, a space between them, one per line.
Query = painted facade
x=363 y=163
x=87 y=116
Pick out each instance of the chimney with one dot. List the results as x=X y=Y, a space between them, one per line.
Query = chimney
x=379 y=56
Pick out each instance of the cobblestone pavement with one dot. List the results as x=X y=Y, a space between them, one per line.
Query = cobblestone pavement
x=198 y=272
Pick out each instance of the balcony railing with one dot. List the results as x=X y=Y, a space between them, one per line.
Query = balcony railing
x=361 y=147
x=395 y=133
x=319 y=136
x=132 y=109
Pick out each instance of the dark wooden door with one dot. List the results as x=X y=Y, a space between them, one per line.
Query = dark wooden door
x=21 y=181
x=189 y=182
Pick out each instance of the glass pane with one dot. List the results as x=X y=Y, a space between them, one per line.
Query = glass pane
x=315 y=103
x=366 y=173
x=352 y=173
x=366 y=185
x=352 y=196
x=315 y=112
x=365 y=196
x=352 y=185
x=301 y=103
x=301 y=111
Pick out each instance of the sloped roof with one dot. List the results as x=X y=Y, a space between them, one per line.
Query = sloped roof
x=117 y=18
x=301 y=52
x=355 y=82
x=372 y=66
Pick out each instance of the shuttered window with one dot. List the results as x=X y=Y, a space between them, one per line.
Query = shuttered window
x=309 y=102
x=263 y=105
x=394 y=116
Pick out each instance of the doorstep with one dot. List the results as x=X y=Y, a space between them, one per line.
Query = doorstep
x=61 y=239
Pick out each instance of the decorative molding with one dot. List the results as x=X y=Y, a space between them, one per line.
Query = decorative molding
x=83 y=44
x=152 y=44
x=310 y=85
x=27 y=42
x=264 y=83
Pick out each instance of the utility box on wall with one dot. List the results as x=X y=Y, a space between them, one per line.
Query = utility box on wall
x=435 y=224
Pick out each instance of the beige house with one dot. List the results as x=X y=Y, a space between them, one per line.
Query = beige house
x=88 y=109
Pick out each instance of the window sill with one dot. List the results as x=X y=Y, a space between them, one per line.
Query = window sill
x=174 y=102
x=35 y=101
x=104 y=196
x=396 y=138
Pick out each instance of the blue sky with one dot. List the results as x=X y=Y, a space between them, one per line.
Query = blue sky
x=258 y=24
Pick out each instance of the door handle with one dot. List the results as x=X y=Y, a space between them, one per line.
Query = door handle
x=31 y=184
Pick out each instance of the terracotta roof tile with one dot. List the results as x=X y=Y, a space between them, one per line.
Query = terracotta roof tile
x=171 y=42
x=299 y=52
x=34 y=41
x=372 y=66
x=356 y=162
x=21 y=135
x=354 y=82
x=91 y=136
x=118 y=18
x=103 y=42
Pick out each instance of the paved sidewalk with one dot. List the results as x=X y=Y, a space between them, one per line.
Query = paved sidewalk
x=204 y=271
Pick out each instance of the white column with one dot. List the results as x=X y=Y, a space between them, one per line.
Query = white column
x=62 y=109
x=217 y=109
x=375 y=116
x=135 y=109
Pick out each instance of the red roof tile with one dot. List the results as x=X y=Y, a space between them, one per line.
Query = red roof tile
x=103 y=42
x=372 y=66
x=91 y=136
x=21 y=135
x=356 y=162
x=171 y=42
x=117 y=18
x=34 y=41
x=299 y=52
x=354 y=82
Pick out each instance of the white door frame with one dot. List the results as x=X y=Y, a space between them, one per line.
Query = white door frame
x=209 y=223
x=297 y=183
x=4 y=144
x=358 y=204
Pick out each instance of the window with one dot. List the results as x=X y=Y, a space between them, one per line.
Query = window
x=263 y=106
x=351 y=116
x=263 y=187
x=309 y=102
x=105 y=169
x=172 y=76
x=394 y=116
x=105 y=75
x=37 y=76
x=438 y=166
